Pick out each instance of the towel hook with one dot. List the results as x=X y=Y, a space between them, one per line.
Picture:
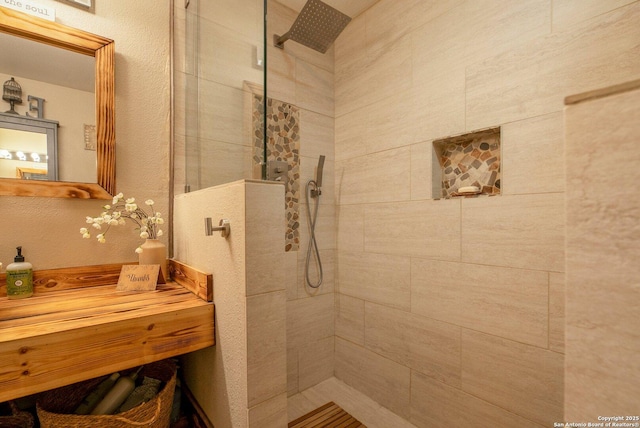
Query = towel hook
x=224 y=227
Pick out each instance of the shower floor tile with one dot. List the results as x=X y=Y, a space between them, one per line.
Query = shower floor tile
x=352 y=401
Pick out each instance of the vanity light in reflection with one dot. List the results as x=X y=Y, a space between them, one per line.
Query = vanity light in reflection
x=20 y=155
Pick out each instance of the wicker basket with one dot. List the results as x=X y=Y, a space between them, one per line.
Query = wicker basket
x=55 y=407
x=17 y=419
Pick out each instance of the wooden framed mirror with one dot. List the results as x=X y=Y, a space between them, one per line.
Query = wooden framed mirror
x=51 y=33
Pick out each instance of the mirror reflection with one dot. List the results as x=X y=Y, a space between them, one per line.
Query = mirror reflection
x=57 y=87
x=102 y=50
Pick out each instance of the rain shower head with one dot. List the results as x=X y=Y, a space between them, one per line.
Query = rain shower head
x=317 y=27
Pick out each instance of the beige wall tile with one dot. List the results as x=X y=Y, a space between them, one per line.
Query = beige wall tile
x=350 y=52
x=495 y=26
x=281 y=78
x=266 y=346
x=186 y=95
x=350 y=227
x=262 y=277
x=327 y=258
x=440 y=106
x=228 y=57
x=439 y=47
x=265 y=232
x=569 y=12
x=532 y=155
x=418 y=229
x=316 y=362
x=438 y=66
x=376 y=278
x=524 y=231
x=421 y=170
x=228 y=162
x=381 y=379
x=316 y=135
x=309 y=320
x=351 y=134
x=379 y=75
x=242 y=16
x=314 y=88
x=289 y=264
x=523 y=379
x=389 y=20
x=292 y=371
x=423 y=344
x=378 y=177
x=533 y=79
x=390 y=122
x=603 y=246
x=350 y=318
x=556 y=311
x=511 y=303
x=269 y=414
x=325 y=231
x=221 y=111
x=436 y=405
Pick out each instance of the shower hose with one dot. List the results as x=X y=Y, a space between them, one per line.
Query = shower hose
x=312 y=249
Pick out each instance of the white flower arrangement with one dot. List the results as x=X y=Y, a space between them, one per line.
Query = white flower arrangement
x=122 y=209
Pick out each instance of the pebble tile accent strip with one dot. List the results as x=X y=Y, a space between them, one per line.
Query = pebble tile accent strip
x=283 y=144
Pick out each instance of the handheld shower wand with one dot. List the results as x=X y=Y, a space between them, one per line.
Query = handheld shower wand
x=313 y=190
x=317 y=191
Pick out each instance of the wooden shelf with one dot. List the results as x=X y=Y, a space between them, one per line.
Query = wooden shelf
x=77 y=326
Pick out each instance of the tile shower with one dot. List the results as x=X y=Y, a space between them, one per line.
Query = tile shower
x=433 y=301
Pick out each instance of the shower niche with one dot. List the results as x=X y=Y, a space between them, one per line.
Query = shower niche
x=467 y=165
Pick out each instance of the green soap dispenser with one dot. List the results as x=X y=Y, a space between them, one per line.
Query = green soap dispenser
x=19 y=277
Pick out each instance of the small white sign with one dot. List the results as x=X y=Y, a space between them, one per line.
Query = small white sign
x=32 y=8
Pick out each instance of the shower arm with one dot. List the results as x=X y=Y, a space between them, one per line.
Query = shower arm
x=278 y=41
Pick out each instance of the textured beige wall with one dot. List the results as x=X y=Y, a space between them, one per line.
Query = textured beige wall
x=603 y=249
x=240 y=382
x=217 y=376
x=48 y=229
x=451 y=312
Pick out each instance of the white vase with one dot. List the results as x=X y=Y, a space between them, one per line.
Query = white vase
x=154 y=252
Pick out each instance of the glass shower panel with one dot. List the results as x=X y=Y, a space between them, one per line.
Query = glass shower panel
x=219 y=87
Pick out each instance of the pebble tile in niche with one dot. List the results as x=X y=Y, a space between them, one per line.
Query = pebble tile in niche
x=469 y=160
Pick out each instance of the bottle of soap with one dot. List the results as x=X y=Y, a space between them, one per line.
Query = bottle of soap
x=19 y=277
x=117 y=395
x=91 y=401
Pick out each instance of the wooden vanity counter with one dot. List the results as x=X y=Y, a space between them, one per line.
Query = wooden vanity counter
x=76 y=326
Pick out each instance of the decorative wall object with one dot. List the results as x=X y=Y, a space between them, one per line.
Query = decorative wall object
x=469 y=160
x=88 y=5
